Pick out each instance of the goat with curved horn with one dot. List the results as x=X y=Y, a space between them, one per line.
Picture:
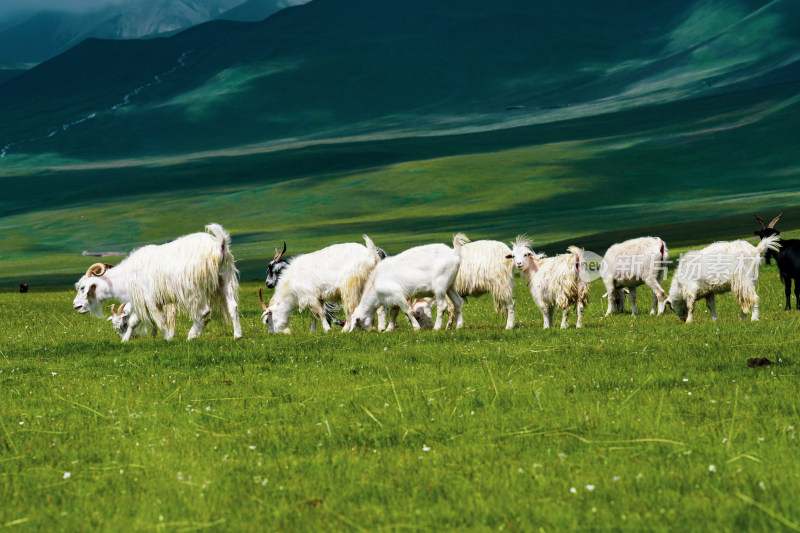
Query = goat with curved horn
x=774 y=221
x=98 y=269
x=761 y=221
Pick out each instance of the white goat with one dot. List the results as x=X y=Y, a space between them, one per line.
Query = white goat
x=485 y=268
x=196 y=273
x=334 y=273
x=718 y=268
x=128 y=325
x=420 y=271
x=632 y=263
x=554 y=281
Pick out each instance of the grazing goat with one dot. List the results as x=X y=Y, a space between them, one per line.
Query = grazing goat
x=334 y=273
x=788 y=260
x=632 y=263
x=485 y=268
x=128 y=325
x=196 y=273
x=279 y=262
x=554 y=281
x=420 y=271
x=720 y=267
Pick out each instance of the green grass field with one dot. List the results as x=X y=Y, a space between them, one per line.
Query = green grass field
x=628 y=424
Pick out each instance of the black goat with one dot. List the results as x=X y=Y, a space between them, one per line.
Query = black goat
x=787 y=258
x=277 y=265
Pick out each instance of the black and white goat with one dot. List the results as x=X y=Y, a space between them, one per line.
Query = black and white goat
x=787 y=258
x=334 y=273
x=196 y=273
x=277 y=266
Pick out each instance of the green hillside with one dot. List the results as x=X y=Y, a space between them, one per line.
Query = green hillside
x=330 y=69
x=407 y=122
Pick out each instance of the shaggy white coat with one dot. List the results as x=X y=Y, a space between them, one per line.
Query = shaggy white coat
x=196 y=273
x=726 y=266
x=630 y=264
x=554 y=281
x=485 y=268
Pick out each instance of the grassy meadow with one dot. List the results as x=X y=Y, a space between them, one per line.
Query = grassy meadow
x=636 y=423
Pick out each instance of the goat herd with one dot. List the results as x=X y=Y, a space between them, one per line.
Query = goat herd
x=196 y=274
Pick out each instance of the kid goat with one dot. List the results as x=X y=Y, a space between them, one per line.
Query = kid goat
x=127 y=323
x=554 y=281
x=195 y=272
x=720 y=267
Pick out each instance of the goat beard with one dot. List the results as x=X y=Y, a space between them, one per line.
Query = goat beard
x=95 y=307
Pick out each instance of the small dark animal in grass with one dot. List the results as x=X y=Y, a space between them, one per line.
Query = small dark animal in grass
x=787 y=258
x=759 y=361
x=23 y=287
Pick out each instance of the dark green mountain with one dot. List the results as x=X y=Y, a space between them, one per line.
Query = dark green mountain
x=332 y=69
x=576 y=122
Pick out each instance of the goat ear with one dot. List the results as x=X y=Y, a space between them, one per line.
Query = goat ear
x=109 y=319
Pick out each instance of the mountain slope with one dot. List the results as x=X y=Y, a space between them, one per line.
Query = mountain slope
x=42 y=35
x=328 y=69
x=255 y=10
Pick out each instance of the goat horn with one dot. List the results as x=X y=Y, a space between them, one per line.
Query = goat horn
x=121 y=307
x=263 y=305
x=112 y=309
x=278 y=254
x=775 y=221
x=98 y=269
x=763 y=226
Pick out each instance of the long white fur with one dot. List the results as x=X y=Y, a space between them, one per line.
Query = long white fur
x=632 y=263
x=726 y=266
x=427 y=270
x=485 y=267
x=196 y=273
x=335 y=273
x=554 y=281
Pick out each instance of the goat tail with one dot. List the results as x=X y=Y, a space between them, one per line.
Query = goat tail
x=372 y=248
x=459 y=239
x=223 y=238
x=773 y=242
